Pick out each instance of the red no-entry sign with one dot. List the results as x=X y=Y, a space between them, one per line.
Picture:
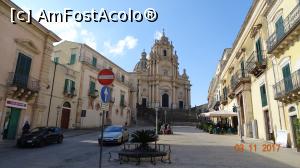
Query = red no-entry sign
x=106 y=77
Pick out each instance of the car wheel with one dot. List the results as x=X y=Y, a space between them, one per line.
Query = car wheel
x=42 y=143
x=60 y=140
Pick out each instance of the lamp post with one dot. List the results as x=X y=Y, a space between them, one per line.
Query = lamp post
x=236 y=109
x=156 y=119
x=58 y=108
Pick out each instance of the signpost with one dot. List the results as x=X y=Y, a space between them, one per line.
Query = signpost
x=105 y=77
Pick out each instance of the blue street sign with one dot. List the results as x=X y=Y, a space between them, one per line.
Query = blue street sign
x=105 y=94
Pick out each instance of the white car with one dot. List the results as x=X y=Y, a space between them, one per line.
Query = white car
x=115 y=134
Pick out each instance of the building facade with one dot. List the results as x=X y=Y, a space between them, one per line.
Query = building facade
x=24 y=86
x=88 y=62
x=157 y=80
x=260 y=76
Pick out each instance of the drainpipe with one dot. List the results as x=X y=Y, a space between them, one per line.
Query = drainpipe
x=268 y=98
x=273 y=65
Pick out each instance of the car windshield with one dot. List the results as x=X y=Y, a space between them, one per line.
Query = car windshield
x=113 y=129
x=37 y=130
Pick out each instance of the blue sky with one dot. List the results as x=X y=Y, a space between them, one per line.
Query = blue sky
x=200 y=30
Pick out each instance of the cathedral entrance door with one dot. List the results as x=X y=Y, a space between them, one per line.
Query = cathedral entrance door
x=165 y=100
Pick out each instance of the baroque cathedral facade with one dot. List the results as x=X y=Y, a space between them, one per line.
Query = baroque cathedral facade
x=158 y=81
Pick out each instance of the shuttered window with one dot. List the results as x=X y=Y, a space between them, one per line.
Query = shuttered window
x=92 y=88
x=263 y=95
x=122 y=100
x=22 y=70
x=286 y=73
x=69 y=86
x=259 y=51
x=279 y=28
x=73 y=59
x=94 y=61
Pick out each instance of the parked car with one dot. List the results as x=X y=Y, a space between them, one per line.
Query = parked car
x=41 y=136
x=114 y=134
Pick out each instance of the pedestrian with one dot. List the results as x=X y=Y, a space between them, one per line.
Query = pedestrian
x=26 y=127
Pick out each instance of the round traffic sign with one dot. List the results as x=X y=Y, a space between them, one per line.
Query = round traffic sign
x=106 y=77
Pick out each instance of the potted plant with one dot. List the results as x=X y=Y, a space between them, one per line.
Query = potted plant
x=144 y=137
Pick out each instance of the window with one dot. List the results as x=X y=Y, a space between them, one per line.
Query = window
x=181 y=105
x=69 y=86
x=279 y=25
x=288 y=83
x=144 y=102
x=73 y=57
x=225 y=93
x=94 y=61
x=259 y=51
x=263 y=95
x=92 y=88
x=56 y=60
x=123 y=78
x=122 y=100
x=22 y=70
x=165 y=52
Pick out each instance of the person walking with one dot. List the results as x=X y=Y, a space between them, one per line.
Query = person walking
x=26 y=127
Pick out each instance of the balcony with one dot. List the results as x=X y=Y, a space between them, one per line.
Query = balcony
x=23 y=82
x=231 y=94
x=89 y=62
x=239 y=78
x=70 y=92
x=224 y=100
x=93 y=93
x=288 y=90
x=256 y=64
x=278 y=42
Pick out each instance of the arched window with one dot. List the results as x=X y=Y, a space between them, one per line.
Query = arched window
x=67 y=104
x=165 y=52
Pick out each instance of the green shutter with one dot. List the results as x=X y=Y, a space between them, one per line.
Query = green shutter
x=287 y=78
x=22 y=70
x=259 y=51
x=66 y=85
x=122 y=103
x=94 y=61
x=243 y=69
x=263 y=95
x=73 y=59
x=92 y=88
x=279 y=28
x=72 y=89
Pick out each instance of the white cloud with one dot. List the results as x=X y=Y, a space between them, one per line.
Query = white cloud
x=71 y=30
x=129 y=42
x=158 y=35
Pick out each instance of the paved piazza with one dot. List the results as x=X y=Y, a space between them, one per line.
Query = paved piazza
x=190 y=148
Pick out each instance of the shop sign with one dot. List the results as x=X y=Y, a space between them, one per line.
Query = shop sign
x=16 y=104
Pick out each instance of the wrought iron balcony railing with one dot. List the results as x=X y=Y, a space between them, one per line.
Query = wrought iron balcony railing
x=93 y=93
x=256 y=63
x=89 y=61
x=70 y=92
x=224 y=99
x=239 y=77
x=291 y=21
x=23 y=81
x=288 y=87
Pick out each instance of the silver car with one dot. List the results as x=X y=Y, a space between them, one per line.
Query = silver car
x=115 y=134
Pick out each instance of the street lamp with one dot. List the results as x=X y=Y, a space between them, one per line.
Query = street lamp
x=58 y=108
x=236 y=110
x=156 y=118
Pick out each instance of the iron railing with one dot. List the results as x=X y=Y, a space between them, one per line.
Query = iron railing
x=89 y=61
x=289 y=22
x=254 y=61
x=23 y=81
x=287 y=85
x=238 y=77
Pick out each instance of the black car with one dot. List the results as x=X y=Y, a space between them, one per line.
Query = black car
x=41 y=136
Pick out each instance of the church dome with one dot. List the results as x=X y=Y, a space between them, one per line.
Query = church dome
x=142 y=64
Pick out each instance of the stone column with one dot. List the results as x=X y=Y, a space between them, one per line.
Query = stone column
x=247 y=104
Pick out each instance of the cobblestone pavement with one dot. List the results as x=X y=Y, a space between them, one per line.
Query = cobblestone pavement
x=191 y=148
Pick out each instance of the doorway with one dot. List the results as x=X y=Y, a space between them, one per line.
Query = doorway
x=65 y=115
x=165 y=100
x=267 y=125
x=11 y=124
x=294 y=127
